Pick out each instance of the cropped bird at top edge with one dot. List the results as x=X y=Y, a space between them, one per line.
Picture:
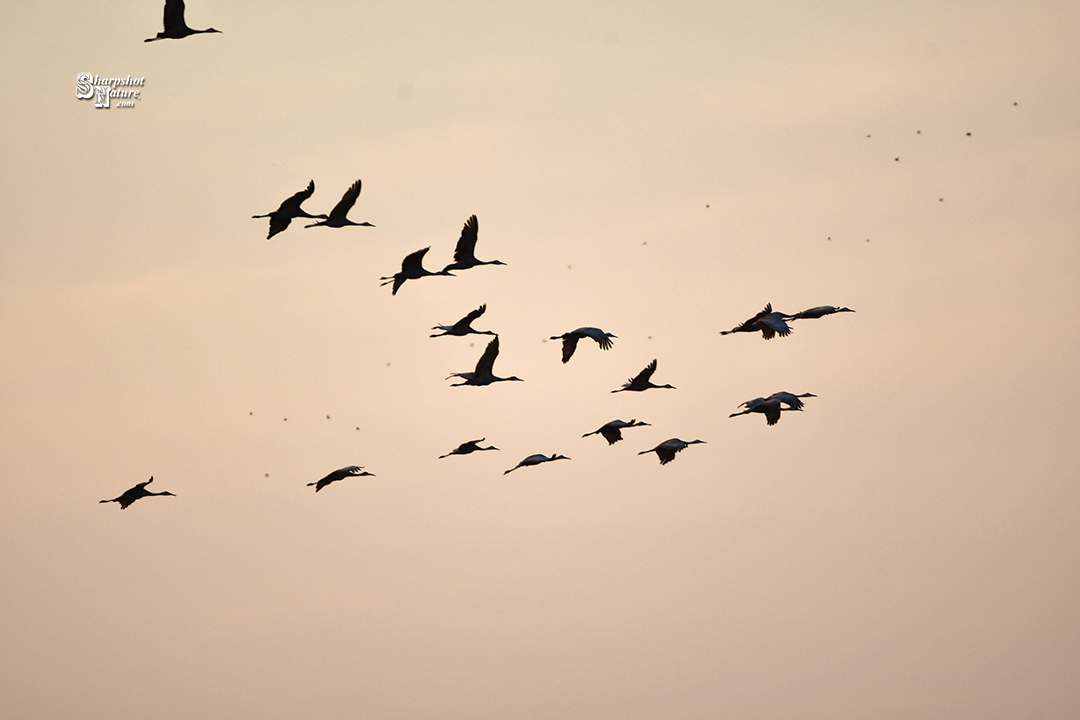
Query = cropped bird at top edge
x=536 y=460
x=468 y=447
x=350 y=471
x=570 y=339
x=412 y=268
x=175 y=27
x=337 y=218
x=464 y=325
x=612 y=431
x=289 y=209
x=667 y=449
x=643 y=381
x=465 y=251
x=768 y=322
x=483 y=375
x=816 y=312
x=135 y=493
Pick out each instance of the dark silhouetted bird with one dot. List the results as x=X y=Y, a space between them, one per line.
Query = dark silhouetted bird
x=569 y=340
x=816 y=312
x=642 y=381
x=412 y=268
x=175 y=27
x=612 y=431
x=464 y=252
x=667 y=449
x=536 y=460
x=768 y=322
x=464 y=325
x=771 y=407
x=483 y=375
x=468 y=447
x=350 y=471
x=289 y=209
x=337 y=218
x=132 y=494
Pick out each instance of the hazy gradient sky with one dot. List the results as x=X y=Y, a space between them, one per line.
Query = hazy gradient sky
x=906 y=547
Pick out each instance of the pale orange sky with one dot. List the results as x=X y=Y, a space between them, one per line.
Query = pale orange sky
x=906 y=547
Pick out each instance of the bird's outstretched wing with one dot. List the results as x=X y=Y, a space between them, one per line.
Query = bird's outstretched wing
x=466 y=244
x=347 y=201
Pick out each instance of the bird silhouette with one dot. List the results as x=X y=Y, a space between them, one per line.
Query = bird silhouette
x=569 y=340
x=468 y=447
x=768 y=322
x=337 y=218
x=483 y=375
x=350 y=471
x=289 y=209
x=667 y=449
x=642 y=381
x=464 y=252
x=412 y=268
x=816 y=312
x=175 y=27
x=464 y=325
x=536 y=460
x=132 y=494
x=612 y=431
x=772 y=406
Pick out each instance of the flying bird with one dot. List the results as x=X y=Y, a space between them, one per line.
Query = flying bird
x=132 y=494
x=536 y=460
x=464 y=325
x=667 y=449
x=768 y=322
x=771 y=407
x=816 y=312
x=464 y=252
x=642 y=381
x=612 y=431
x=175 y=27
x=412 y=268
x=468 y=447
x=337 y=215
x=483 y=375
x=350 y=471
x=569 y=340
x=289 y=209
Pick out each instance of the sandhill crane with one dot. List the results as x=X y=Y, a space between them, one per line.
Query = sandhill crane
x=816 y=312
x=468 y=447
x=412 y=268
x=612 y=431
x=289 y=209
x=350 y=471
x=569 y=340
x=464 y=252
x=483 y=375
x=337 y=217
x=667 y=449
x=771 y=407
x=768 y=322
x=132 y=494
x=642 y=381
x=464 y=325
x=536 y=460
x=175 y=27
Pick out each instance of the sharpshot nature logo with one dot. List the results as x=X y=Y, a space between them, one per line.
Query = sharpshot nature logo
x=88 y=85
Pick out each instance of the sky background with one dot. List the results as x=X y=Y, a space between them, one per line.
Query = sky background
x=906 y=547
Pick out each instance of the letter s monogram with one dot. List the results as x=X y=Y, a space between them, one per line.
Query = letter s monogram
x=84 y=86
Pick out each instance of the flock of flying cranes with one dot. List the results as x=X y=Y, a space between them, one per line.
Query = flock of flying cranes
x=769 y=322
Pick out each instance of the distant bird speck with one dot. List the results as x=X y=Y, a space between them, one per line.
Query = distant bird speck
x=175 y=27
x=667 y=449
x=337 y=217
x=135 y=493
x=350 y=471
x=536 y=460
x=643 y=380
x=570 y=340
x=968 y=134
